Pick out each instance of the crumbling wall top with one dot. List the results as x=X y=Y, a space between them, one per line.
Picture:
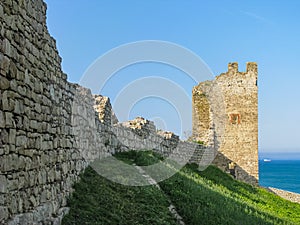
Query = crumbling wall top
x=233 y=67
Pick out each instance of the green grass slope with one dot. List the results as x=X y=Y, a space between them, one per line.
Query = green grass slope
x=97 y=200
x=207 y=197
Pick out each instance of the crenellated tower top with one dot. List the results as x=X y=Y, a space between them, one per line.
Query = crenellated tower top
x=233 y=67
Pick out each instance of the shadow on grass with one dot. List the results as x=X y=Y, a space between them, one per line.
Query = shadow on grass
x=97 y=200
x=207 y=197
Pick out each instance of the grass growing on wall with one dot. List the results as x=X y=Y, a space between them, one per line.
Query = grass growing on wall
x=207 y=197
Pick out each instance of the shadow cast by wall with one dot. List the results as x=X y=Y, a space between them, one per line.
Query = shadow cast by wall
x=223 y=163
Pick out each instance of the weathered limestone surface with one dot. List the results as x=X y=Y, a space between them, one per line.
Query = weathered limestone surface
x=238 y=141
x=39 y=160
x=52 y=129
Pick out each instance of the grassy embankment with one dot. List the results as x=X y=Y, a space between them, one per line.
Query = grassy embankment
x=207 y=197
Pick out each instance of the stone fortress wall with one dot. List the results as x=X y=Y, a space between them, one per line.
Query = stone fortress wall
x=239 y=141
x=38 y=160
x=52 y=129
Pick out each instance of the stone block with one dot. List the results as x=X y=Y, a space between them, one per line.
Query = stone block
x=9 y=121
x=44 y=159
x=6 y=47
x=14 y=85
x=3 y=184
x=11 y=162
x=21 y=141
x=5 y=102
x=13 y=205
x=21 y=163
x=13 y=71
x=20 y=76
x=1 y=11
x=19 y=107
x=37 y=108
x=25 y=122
x=2 y=121
x=33 y=201
x=4 y=64
x=23 y=91
x=4 y=83
x=38 y=87
x=34 y=124
x=13 y=185
x=12 y=136
x=3 y=213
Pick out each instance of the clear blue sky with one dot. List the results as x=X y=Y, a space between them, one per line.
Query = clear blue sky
x=267 y=32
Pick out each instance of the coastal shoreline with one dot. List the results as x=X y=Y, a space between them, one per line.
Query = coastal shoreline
x=288 y=195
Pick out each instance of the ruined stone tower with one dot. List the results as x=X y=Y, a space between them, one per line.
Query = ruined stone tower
x=239 y=139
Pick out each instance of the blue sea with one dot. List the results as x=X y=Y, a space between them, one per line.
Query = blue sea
x=282 y=174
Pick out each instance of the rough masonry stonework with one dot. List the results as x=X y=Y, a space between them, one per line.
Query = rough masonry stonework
x=52 y=129
x=38 y=161
x=238 y=133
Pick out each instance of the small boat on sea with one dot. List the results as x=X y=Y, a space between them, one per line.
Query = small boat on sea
x=267 y=160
